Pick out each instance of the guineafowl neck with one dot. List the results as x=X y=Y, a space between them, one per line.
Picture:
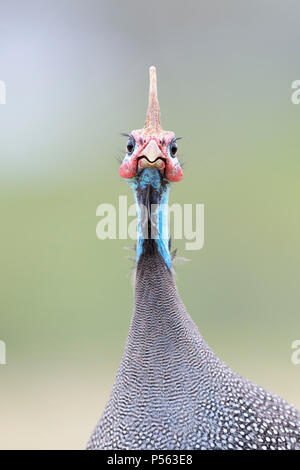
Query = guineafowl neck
x=161 y=332
x=152 y=194
x=161 y=329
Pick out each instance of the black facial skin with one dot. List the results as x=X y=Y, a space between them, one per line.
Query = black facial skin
x=147 y=196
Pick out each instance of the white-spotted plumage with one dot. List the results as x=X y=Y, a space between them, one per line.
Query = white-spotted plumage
x=172 y=392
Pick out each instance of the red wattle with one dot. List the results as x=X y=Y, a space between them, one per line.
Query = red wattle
x=128 y=169
x=174 y=174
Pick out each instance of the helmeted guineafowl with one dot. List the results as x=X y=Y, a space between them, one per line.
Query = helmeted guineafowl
x=171 y=391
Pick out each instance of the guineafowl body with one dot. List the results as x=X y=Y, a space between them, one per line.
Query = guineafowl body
x=171 y=391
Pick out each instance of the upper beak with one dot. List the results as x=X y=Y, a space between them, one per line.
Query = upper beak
x=152 y=157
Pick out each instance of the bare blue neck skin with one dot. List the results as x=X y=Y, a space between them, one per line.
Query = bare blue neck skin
x=151 y=195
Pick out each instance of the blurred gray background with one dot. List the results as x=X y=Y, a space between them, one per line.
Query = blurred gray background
x=76 y=74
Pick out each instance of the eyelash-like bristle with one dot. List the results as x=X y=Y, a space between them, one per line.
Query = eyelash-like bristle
x=119 y=159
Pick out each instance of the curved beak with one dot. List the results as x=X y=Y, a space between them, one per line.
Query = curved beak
x=152 y=157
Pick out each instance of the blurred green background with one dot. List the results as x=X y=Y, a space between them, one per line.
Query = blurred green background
x=76 y=74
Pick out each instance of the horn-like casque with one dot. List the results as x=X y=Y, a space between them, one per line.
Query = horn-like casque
x=153 y=112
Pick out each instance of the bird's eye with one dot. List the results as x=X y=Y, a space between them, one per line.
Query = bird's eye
x=173 y=148
x=130 y=145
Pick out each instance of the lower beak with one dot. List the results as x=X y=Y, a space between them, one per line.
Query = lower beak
x=159 y=164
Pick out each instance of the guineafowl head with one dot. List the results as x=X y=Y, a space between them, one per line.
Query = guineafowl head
x=149 y=165
x=152 y=147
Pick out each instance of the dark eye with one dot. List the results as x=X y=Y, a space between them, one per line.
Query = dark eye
x=173 y=148
x=130 y=145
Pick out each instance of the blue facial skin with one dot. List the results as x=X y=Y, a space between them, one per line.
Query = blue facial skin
x=151 y=177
